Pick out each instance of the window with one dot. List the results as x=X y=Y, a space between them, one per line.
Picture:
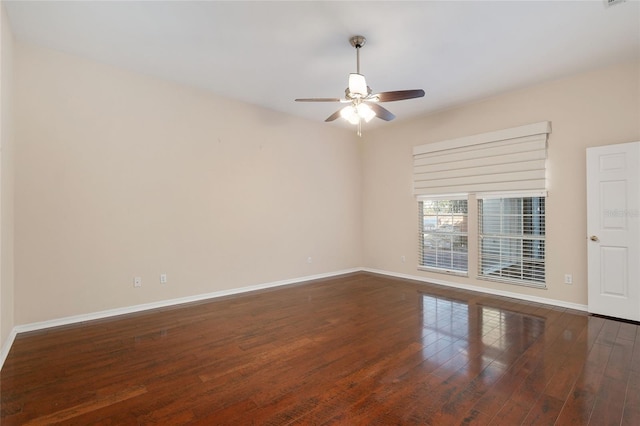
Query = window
x=505 y=170
x=512 y=240
x=443 y=234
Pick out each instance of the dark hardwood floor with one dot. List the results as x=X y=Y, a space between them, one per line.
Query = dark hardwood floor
x=355 y=350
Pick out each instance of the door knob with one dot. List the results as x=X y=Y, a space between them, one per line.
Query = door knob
x=594 y=238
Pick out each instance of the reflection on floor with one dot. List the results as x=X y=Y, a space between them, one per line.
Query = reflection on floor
x=357 y=349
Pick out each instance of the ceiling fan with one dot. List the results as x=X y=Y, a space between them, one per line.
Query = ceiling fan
x=363 y=105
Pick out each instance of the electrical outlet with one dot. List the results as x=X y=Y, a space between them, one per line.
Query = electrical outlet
x=568 y=279
x=309 y=259
x=403 y=258
x=163 y=278
x=137 y=281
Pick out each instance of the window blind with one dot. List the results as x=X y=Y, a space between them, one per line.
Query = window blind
x=511 y=234
x=443 y=234
x=507 y=160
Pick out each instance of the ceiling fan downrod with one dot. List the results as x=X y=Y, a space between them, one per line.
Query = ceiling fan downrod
x=357 y=42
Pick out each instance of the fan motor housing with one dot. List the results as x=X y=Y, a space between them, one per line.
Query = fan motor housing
x=357 y=41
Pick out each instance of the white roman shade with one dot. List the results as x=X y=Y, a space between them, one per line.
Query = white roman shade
x=507 y=160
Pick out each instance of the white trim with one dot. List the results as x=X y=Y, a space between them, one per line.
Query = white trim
x=512 y=133
x=445 y=197
x=165 y=303
x=510 y=194
x=6 y=347
x=525 y=297
x=171 y=302
x=463 y=274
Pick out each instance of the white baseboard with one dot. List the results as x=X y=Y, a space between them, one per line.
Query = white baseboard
x=161 y=304
x=172 y=302
x=7 y=346
x=494 y=292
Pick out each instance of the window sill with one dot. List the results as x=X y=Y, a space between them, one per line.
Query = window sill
x=519 y=283
x=464 y=274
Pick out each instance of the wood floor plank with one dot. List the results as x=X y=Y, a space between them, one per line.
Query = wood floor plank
x=71 y=412
x=356 y=349
x=544 y=412
x=631 y=410
x=609 y=404
x=580 y=403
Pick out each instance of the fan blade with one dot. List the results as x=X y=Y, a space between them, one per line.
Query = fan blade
x=333 y=116
x=399 y=95
x=319 y=100
x=381 y=112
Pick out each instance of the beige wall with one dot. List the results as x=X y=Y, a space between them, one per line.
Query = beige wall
x=121 y=175
x=595 y=108
x=6 y=180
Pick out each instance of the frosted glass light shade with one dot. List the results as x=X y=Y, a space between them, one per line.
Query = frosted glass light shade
x=354 y=113
x=350 y=113
x=357 y=85
x=365 y=112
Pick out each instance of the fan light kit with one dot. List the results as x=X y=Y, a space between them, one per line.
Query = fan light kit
x=363 y=105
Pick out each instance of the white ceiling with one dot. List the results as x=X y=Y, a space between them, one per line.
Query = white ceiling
x=269 y=53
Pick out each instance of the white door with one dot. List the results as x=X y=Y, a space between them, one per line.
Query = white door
x=613 y=230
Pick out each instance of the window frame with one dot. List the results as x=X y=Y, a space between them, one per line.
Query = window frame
x=536 y=265
x=422 y=232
